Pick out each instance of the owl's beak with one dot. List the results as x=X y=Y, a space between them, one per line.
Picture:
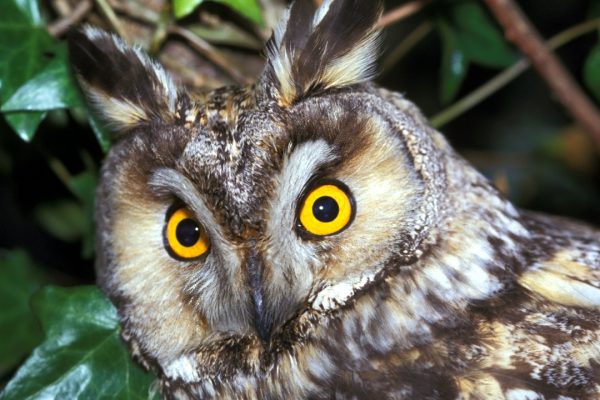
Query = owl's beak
x=254 y=269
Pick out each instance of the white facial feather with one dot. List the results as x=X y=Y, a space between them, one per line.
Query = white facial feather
x=286 y=252
x=204 y=282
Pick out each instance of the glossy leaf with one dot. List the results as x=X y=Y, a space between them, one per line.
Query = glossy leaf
x=25 y=123
x=19 y=330
x=82 y=356
x=469 y=36
x=23 y=44
x=479 y=38
x=30 y=10
x=454 y=63
x=52 y=88
x=248 y=8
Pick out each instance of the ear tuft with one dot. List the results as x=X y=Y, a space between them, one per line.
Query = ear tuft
x=317 y=49
x=122 y=83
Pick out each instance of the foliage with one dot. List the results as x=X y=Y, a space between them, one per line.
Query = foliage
x=248 y=8
x=82 y=356
x=19 y=280
x=51 y=148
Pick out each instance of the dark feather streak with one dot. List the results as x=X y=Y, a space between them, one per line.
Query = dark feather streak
x=115 y=71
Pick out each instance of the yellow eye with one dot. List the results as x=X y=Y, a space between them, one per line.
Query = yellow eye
x=326 y=209
x=185 y=238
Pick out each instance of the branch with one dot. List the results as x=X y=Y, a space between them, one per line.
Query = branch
x=113 y=19
x=209 y=52
x=61 y=26
x=406 y=45
x=519 y=30
x=509 y=74
x=401 y=12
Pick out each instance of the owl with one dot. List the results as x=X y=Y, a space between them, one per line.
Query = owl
x=310 y=236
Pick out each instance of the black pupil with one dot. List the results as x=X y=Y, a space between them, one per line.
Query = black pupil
x=187 y=232
x=325 y=209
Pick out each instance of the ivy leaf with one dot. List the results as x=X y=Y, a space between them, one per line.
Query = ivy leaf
x=84 y=117
x=468 y=36
x=82 y=356
x=23 y=43
x=19 y=330
x=454 y=63
x=25 y=123
x=248 y=8
x=101 y=133
x=30 y=10
x=479 y=38
x=50 y=89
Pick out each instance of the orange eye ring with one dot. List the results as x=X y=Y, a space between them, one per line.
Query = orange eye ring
x=184 y=237
x=327 y=208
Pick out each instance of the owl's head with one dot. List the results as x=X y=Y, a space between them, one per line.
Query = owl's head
x=240 y=221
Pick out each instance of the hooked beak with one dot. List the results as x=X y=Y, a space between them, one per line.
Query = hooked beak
x=254 y=269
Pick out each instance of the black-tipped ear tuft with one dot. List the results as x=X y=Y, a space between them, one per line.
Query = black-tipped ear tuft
x=120 y=82
x=315 y=49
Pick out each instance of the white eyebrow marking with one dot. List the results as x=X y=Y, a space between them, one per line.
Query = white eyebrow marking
x=170 y=180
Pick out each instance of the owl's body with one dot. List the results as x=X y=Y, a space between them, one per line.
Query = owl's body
x=410 y=278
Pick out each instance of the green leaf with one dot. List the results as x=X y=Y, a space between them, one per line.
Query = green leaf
x=84 y=117
x=25 y=123
x=468 y=36
x=52 y=88
x=30 y=10
x=19 y=330
x=182 y=8
x=591 y=72
x=101 y=133
x=23 y=44
x=479 y=38
x=82 y=356
x=248 y=8
x=63 y=219
x=454 y=63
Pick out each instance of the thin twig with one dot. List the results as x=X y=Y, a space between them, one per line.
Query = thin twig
x=479 y=94
x=209 y=52
x=112 y=18
x=138 y=12
x=61 y=26
x=519 y=30
x=401 y=12
x=61 y=172
x=405 y=46
x=509 y=74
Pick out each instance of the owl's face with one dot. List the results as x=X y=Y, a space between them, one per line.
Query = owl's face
x=231 y=224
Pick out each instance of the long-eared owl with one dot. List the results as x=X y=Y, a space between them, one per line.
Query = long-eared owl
x=311 y=236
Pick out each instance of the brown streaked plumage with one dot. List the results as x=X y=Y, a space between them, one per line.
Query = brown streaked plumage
x=436 y=287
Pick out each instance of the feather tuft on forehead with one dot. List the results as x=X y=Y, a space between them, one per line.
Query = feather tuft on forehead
x=315 y=49
x=122 y=83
